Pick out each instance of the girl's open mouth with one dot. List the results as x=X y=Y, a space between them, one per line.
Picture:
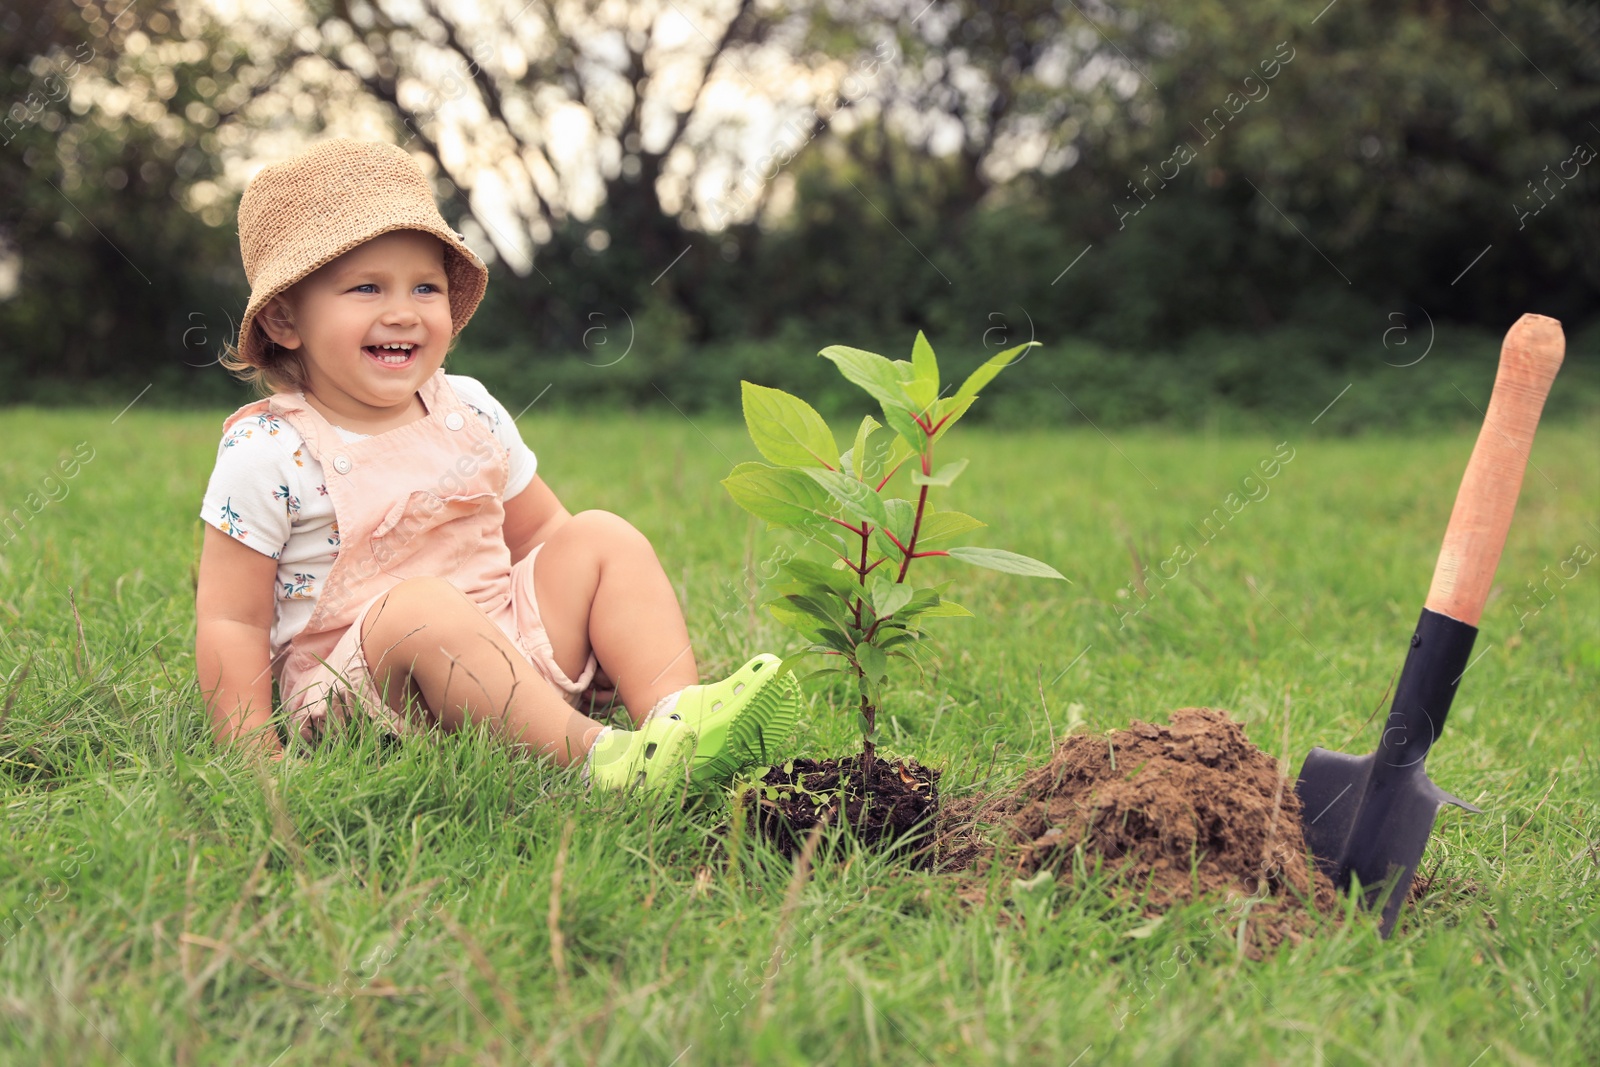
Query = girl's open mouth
x=396 y=356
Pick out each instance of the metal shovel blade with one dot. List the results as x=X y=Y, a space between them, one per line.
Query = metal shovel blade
x=1373 y=830
x=1370 y=816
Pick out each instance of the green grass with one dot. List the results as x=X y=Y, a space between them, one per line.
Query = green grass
x=161 y=902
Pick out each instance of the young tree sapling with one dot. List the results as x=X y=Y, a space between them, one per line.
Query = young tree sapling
x=861 y=606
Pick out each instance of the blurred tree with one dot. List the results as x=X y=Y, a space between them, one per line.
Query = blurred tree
x=1219 y=165
x=1127 y=171
x=1400 y=140
x=108 y=204
x=590 y=120
x=996 y=88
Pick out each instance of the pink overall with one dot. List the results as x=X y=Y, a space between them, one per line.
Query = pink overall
x=420 y=500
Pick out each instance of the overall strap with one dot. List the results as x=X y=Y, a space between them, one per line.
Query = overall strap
x=317 y=432
x=440 y=396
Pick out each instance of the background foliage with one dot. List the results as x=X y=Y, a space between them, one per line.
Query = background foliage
x=1357 y=178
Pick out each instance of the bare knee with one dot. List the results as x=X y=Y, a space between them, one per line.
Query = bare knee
x=605 y=531
x=408 y=608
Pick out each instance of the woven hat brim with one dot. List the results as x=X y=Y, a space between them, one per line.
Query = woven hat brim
x=464 y=271
x=301 y=214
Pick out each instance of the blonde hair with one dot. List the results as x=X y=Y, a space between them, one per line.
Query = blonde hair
x=281 y=372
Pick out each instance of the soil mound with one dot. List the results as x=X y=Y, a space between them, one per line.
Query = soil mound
x=1177 y=812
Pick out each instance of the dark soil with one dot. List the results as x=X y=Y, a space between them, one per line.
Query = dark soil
x=1176 y=813
x=896 y=812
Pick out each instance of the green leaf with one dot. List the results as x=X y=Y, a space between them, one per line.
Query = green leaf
x=809 y=572
x=929 y=604
x=945 y=609
x=896 y=640
x=873 y=662
x=921 y=394
x=867 y=733
x=948 y=412
x=924 y=362
x=836 y=641
x=809 y=617
x=858 y=499
x=794 y=659
x=901 y=422
x=942 y=525
x=825 y=609
x=786 y=429
x=998 y=559
x=946 y=474
x=900 y=451
x=902 y=516
x=858 y=461
x=781 y=495
x=986 y=372
x=859 y=450
x=922 y=391
x=889 y=597
x=801 y=622
x=871 y=372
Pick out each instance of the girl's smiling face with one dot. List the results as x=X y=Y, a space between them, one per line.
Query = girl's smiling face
x=370 y=327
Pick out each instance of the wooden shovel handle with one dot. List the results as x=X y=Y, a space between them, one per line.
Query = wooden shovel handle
x=1529 y=359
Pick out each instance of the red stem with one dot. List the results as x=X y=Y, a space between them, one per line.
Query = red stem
x=891 y=474
x=910 y=550
x=861 y=570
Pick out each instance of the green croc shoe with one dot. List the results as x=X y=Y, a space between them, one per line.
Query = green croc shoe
x=740 y=719
x=651 y=757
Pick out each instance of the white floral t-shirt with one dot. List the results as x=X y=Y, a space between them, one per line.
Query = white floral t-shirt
x=268 y=492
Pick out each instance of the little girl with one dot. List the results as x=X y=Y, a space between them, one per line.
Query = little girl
x=373 y=525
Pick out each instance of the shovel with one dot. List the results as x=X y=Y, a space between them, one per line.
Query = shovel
x=1368 y=817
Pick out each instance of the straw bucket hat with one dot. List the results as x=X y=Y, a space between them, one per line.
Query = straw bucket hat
x=304 y=212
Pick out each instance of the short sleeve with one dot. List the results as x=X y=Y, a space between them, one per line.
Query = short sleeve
x=252 y=497
x=524 y=464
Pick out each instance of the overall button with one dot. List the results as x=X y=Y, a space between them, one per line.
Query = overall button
x=454 y=420
x=342 y=464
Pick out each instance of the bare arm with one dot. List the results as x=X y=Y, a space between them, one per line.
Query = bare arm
x=531 y=517
x=234 y=606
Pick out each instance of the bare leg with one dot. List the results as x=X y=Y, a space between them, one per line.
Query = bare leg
x=428 y=639
x=600 y=587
